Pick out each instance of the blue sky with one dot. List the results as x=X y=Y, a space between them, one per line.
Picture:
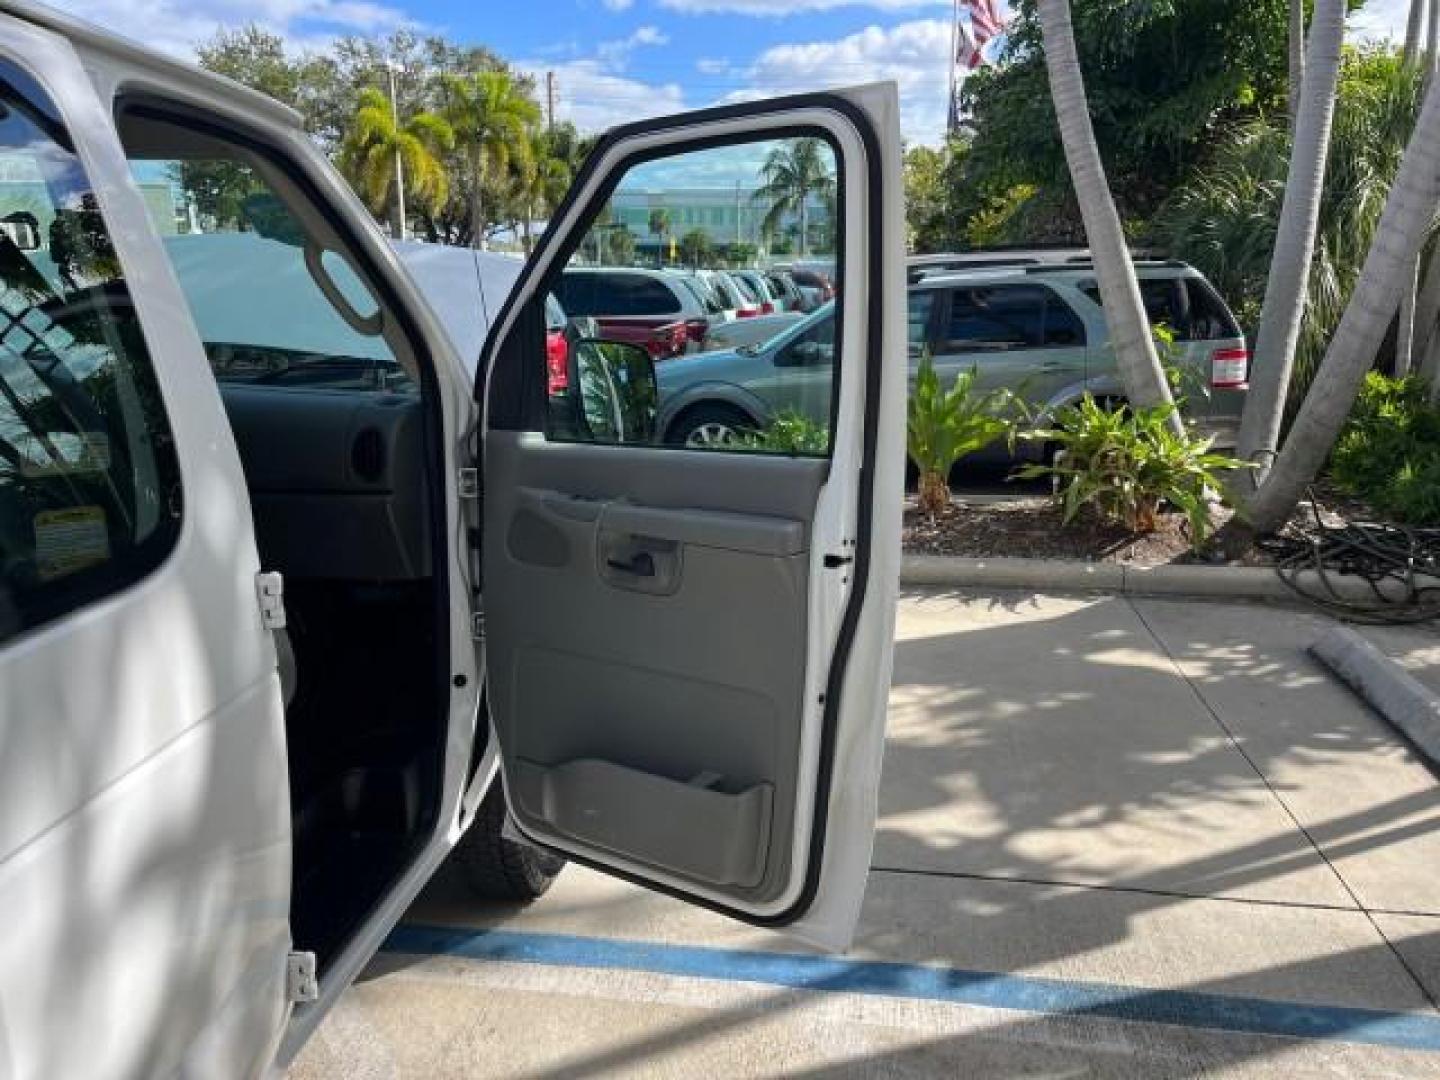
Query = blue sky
x=618 y=60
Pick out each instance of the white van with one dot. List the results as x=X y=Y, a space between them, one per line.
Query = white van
x=284 y=588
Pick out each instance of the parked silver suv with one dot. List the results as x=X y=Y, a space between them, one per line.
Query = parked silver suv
x=1038 y=330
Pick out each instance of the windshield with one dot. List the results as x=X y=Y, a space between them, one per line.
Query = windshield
x=792 y=330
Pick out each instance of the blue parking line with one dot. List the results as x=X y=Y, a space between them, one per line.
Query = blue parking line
x=1022 y=993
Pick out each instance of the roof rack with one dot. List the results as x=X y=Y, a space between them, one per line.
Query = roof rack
x=1089 y=264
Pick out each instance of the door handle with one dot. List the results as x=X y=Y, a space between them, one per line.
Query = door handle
x=641 y=564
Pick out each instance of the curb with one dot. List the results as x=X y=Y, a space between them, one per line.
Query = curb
x=1226 y=582
x=1390 y=690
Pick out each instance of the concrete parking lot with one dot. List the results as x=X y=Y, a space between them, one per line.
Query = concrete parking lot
x=1118 y=837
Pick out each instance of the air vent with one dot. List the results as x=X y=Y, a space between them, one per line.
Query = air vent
x=367 y=455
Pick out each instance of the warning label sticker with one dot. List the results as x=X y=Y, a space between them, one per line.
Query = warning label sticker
x=70 y=540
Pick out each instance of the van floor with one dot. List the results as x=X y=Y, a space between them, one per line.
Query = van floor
x=365 y=739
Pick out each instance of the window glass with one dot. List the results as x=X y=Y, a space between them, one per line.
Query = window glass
x=1063 y=328
x=89 y=483
x=1210 y=320
x=772 y=393
x=918 y=306
x=992 y=318
x=240 y=248
x=1163 y=304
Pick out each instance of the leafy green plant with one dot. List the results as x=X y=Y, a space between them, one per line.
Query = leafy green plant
x=790 y=433
x=945 y=425
x=1389 y=452
x=1126 y=463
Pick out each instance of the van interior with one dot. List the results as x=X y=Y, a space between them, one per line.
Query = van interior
x=327 y=399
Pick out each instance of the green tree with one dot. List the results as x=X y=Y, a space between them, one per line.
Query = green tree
x=492 y=117
x=659 y=225
x=1284 y=307
x=1135 y=356
x=376 y=147
x=696 y=249
x=1162 y=77
x=1224 y=217
x=793 y=175
x=620 y=245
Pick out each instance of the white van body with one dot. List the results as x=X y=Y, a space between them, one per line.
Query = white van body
x=156 y=883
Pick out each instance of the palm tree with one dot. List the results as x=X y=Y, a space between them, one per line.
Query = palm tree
x=1290 y=261
x=659 y=226
x=1297 y=59
x=1414 y=27
x=1404 y=225
x=1135 y=354
x=492 y=118
x=793 y=175
x=375 y=145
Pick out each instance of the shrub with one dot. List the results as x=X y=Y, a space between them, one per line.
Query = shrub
x=790 y=433
x=1126 y=463
x=944 y=425
x=1389 y=451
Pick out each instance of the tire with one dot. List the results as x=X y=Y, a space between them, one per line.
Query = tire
x=498 y=869
x=710 y=424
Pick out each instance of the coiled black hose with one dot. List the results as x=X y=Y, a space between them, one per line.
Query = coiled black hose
x=1400 y=565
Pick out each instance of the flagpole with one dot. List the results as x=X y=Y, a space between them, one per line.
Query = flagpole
x=954 y=48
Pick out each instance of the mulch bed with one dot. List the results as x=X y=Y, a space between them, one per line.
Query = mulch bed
x=1031 y=527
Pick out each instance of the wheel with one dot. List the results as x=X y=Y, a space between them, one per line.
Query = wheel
x=710 y=425
x=498 y=869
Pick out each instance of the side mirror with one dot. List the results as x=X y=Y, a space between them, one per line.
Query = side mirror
x=616 y=394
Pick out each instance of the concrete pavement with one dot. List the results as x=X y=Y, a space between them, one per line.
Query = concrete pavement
x=1164 y=809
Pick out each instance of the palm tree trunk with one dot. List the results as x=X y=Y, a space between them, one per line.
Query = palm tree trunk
x=804 y=226
x=1432 y=40
x=1405 y=332
x=1413 y=29
x=1297 y=59
x=1138 y=362
x=1289 y=280
x=1409 y=209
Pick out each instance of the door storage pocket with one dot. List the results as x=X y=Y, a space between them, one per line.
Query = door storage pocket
x=688 y=829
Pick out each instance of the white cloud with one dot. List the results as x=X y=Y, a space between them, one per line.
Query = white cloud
x=710 y=66
x=1381 y=19
x=177 y=26
x=594 y=97
x=619 y=5
x=616 y=54
x=914 y=54
x=779 y=9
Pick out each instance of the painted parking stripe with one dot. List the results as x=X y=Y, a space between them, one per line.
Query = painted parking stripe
x=1022 y=993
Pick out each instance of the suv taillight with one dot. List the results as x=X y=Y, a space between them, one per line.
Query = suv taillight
x=1230 y=369
x=697 y=329
x=557 y=362
x=767 y=308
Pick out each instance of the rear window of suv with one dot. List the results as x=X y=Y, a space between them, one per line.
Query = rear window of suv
x=1189 y=306
x=601 y=295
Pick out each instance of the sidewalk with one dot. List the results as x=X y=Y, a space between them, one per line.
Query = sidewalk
x=1162 y=808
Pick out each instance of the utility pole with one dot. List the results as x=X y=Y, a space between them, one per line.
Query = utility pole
x=550 y=100
x=390 y=66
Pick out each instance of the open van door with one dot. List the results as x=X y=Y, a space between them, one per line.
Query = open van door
x=145 y=837
x=689 y=650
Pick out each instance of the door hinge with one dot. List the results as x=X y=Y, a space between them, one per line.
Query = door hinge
x=301 y=983
x=469 y=483
x=477 y=625
x=270 y=589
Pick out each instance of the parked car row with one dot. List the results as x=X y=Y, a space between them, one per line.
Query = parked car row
x=1037 y=328
x=673 y=312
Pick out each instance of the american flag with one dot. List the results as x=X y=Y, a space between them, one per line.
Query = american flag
x=967 y=49
x=985 y=21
